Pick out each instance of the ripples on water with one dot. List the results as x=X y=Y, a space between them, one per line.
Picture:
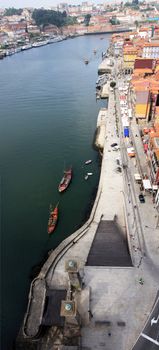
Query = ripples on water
x=48 y=116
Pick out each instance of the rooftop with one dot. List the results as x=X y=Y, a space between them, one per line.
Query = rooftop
x=144 y=63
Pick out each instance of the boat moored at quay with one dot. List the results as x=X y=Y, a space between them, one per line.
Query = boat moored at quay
x=26 y=47
x=40 y=43
x=52 y=219
x=56 y=39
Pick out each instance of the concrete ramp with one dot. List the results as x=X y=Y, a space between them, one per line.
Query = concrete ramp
x=109 y=247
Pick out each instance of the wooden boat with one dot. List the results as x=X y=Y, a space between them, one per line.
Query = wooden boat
x=52 y=219
x=64 y=183
x=88 y=161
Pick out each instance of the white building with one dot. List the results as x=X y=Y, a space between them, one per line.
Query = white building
x=86 y=7
x=151 y=50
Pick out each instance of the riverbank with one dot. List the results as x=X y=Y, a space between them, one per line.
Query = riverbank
x=34 y=44
x=54 y=39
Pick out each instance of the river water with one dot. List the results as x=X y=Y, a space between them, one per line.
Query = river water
x=48 y=115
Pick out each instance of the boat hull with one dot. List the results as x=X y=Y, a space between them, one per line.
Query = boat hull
x=51 y=229
x=52 y=220
x=89 y=161
x=65 y=180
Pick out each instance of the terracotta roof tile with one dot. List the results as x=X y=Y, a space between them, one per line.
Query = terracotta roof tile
x=144 y=63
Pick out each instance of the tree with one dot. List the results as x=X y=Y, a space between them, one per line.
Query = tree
x=133 y=5
x=45 y=17
x=136 y=24
x=114 y=20
x=71 y=20
x=135 y=2
x=12 y=11
x=112 y=84
x=87 y=19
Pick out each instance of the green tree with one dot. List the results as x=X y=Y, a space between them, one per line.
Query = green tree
x=135 y=2
x=112 y=84
x=114 y=20
x=128 y=4
x=12 y=11
x=136 y=24
x=133 y=5
x=45 y=17
x=87 y=19
x=71 y=20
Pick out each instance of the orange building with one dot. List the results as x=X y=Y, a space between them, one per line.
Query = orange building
x=129 y=55
x=153 y=157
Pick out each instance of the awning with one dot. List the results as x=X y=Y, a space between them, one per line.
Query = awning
x=147 y=184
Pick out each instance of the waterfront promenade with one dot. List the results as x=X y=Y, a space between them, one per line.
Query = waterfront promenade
x=118 y=304
x=115 y=293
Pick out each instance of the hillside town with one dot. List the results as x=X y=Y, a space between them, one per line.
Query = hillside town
x=19 y=30
x=139 y=52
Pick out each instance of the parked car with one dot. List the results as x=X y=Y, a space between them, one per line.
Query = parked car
x=141 y=198
x=116 y=148
x=131 y=152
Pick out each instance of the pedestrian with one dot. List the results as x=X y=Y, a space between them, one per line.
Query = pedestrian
x=90 y=313
x=141 y=281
